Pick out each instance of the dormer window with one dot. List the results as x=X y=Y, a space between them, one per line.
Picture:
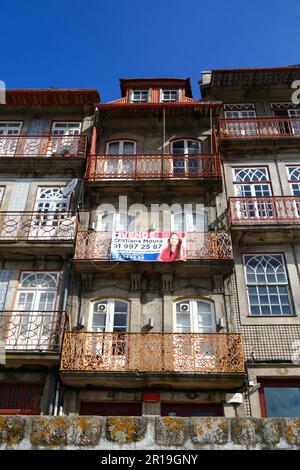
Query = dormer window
x=169 y=95
x=139 y=96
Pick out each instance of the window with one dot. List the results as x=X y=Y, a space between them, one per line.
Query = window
x=186 y=158
x=120 y=160
x=110 y=221
x=253 y=183
x=267 y=285
x=110 y=315
x=294 y=180
x=140 y=96
x=169 y=95
x=1 y=194
x=279 y=398
x=195 y=316
x=33 y=318
x=8 y=145
x=239 y=111
x=64 y=140
x=245 y=112
x=189 y=221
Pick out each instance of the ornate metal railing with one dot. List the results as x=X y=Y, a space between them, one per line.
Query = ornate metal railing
x=259 y=128
x=154 y=167
x=264 y=210
x=153 y=352
x=200 y=245
x=37 y=146
x=29 y=226
x=34 y=331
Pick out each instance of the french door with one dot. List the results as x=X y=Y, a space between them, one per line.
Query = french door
x=295 y=113
x=241 y=123
x=192 y=351
x=33 y=319
x=8 y=146
x=63 y=138
x=52 y=222
x=186 y=158
x=121 y=158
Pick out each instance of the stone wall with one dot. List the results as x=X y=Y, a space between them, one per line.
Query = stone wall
x=125 y=433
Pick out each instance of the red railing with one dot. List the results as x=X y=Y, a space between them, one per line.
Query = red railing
x=154 y=167
x=200 y=245
x=40 y=226
x=37 y=146
x=34 y=331
x=264 y=210
x=259 y=128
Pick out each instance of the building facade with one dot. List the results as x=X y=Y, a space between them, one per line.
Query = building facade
x=212 y=331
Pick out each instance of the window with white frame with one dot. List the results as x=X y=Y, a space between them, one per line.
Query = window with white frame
x=239 y=111
x=253 y=187
x=195 y=316
x=267 y=285
x=37 y=291
x=169 y=95
x=120 y=160
x=110 y=221
x=186 y=158
x=189 y=221
x=294 y=181
x=8 y=141
x=1 y=194
x=139 y=96
x=294 y=114
x=110 y=315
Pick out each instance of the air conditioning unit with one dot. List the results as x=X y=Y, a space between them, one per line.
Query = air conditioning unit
x=184 y=308
x=101 y=308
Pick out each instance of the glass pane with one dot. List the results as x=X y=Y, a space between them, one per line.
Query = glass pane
x=183 y=320
x=113 y=148
x=120 y=306
x=128 y=148
x=193 y=146
x=282 y=401
x=120 y=319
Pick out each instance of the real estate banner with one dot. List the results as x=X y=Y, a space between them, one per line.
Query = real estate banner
x=148 y=246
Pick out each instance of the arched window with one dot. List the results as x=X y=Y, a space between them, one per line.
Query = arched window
x=267 y=285
x=110 y=315
x=186 y=159
x=195 y=316
x=37 y=291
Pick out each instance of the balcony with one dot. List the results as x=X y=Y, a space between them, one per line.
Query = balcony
x=37 y=226
x=32 y=331
x=159 y=167
x=200 y=246
x=259 y=128
x=184 y=355
x=267 y=210
x=43 y=146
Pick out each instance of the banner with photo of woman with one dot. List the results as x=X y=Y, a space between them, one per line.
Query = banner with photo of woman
x=148 y=246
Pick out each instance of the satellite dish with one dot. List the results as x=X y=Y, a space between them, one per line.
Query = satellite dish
x=69 y=188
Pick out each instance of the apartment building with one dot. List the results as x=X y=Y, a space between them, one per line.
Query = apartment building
x=43 y=150
x=259 y=130
x=101 y=314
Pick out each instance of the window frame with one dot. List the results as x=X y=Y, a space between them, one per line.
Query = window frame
x=110 y=315
x=239 y=108
x=140 y=90
x=251 y=183
x=273 y=383
x=287 y=283
x=169 y=90
x=193 y=314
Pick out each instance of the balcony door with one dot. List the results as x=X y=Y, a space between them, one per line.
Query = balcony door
x=52 y=222
x=294 y=114
x=186 y=158
x=110 y=321
x=8 y=145
x=240 y=119
x=195 y=351
x=121 y=159
x=253 y=183
x=63 y=138
x=33 y=319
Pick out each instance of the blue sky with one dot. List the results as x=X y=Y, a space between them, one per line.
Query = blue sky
x=92 y=43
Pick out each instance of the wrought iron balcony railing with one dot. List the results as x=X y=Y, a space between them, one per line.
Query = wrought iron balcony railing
x=41 y=146
x=200 y=245
x=259 y=128
x=154 y=167
x=39 y=226
x=217 y=353
x=35 y=331
x=264 y=210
